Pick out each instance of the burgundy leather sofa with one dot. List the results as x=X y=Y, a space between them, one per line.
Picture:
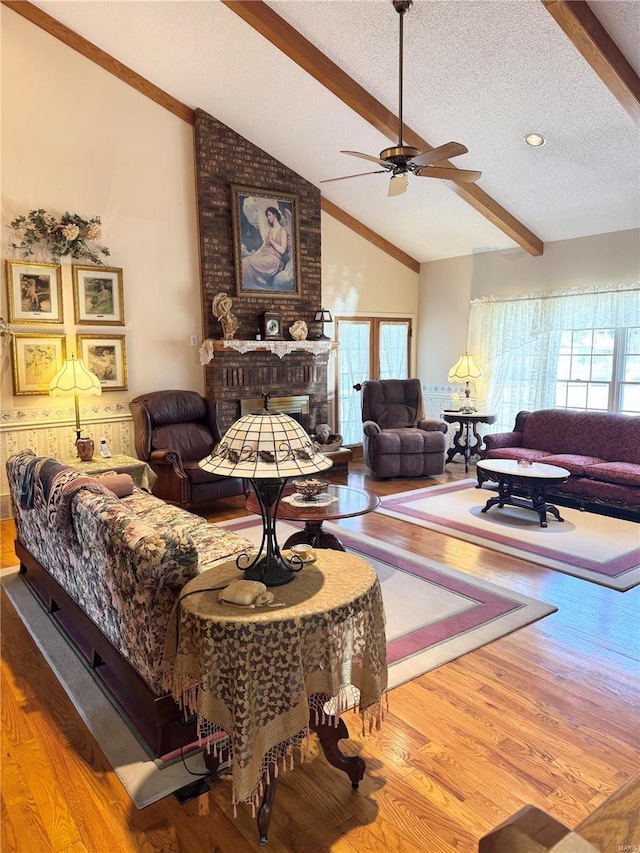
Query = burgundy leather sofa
x=600 y=449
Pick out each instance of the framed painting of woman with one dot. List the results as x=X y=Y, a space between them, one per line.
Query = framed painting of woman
x=265 y=242
x=97 y=296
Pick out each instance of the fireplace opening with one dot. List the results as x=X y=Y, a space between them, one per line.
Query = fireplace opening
x=296 y=407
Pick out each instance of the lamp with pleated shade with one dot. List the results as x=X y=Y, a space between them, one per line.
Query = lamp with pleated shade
x=74 y=379
x=464 y=370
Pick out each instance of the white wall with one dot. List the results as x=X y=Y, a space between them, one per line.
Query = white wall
x=75 y=138
x=360 y=280
x=447 y=287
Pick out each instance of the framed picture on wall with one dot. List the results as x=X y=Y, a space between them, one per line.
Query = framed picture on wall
x=36 y=360
x=97 y=296
x=265 y=243
x=35 y=293
x=106 y=356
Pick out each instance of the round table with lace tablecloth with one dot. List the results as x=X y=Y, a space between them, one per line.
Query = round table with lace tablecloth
x=268 y=675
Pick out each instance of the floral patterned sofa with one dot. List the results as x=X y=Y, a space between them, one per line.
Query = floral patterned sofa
x=600 y=449
x=109 y=570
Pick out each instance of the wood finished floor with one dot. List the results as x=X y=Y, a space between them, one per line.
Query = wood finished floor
x=549 y=715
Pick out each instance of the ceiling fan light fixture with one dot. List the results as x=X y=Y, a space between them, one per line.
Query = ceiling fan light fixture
x=398 y=184
x=536 y=140
x=400 y=159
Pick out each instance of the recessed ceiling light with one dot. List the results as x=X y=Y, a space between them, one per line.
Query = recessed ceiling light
x=535 y=139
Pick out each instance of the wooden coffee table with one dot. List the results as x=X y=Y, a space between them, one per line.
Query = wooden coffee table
x=532 y=479
x=349 y=502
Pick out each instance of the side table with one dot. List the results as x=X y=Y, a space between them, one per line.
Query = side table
x=267 y=676
x=346 y=503
x=468 y=425
x=140 y=472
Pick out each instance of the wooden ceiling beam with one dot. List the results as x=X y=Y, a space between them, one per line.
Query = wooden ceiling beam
x=301 y=51
x=598 y=48
x=366 y=233
x=100 y=57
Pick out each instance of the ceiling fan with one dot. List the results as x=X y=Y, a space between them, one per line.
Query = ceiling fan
x=403 y=159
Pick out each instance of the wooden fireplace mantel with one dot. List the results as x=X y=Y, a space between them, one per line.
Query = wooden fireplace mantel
x=279 y=348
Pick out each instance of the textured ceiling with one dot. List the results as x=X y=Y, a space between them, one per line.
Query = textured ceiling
x=480 y=73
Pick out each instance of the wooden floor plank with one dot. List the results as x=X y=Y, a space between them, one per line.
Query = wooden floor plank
x=548 y=715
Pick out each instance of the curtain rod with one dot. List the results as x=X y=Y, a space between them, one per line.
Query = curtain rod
x=555 y=294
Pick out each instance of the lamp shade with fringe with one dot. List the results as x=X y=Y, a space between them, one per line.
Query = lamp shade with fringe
x=74 y=379
x=464 y=370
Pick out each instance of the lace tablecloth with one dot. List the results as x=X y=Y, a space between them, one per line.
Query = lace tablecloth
x=140 y=472
x=296 y=499
x=256 y=674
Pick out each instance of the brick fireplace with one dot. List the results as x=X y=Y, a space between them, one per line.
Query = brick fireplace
x=234 y=379
x=224 y=159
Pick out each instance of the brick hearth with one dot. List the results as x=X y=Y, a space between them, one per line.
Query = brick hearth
x=233 y=376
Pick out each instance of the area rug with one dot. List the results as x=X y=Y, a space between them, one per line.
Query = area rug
x=434 y=614
x=145 y=779
x=593 y=547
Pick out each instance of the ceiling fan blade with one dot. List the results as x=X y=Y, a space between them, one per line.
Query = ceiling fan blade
x=460 y=176
x=359 y=175
x=442 y=152
x=367 y=157
x=398 y=184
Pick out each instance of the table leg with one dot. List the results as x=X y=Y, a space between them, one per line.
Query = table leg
x=457 y=447
x=329 y=734
x=477 y=447
x=536 y=500
x=539 y=501
x=314 y=535
x=268 y=798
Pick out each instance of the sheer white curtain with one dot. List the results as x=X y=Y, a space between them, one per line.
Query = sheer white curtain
x=393 y=342
x=516 y=340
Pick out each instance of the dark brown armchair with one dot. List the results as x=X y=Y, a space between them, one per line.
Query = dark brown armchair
x=173 y=431
x=398 y=440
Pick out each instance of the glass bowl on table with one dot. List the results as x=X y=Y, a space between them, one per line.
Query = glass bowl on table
x=310 y=489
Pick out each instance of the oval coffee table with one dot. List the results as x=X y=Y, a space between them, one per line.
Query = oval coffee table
x=349 y=502
x=532 y=479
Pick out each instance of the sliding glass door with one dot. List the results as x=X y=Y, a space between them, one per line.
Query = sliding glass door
x=369 y=348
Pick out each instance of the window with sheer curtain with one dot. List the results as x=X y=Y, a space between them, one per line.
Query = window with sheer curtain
x=369 y=348
x=576 y=349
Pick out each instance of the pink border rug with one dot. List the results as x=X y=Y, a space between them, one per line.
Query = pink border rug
x=587 y=545
x=434 y=614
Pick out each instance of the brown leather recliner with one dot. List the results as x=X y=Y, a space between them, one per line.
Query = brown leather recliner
x=398 y=440
x=173 y=431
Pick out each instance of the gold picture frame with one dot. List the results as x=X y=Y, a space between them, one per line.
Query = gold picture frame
x=36 y=360
x=106 y=356
x=98 y=298
x=266 y=243
x=34 y=293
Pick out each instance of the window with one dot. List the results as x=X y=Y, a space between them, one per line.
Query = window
x=369 y=348
x=574 y=349
x=599 y=370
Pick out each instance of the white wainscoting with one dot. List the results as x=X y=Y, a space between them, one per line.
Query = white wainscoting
x=440 y=397
x=51 y=432
x=436 y=399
